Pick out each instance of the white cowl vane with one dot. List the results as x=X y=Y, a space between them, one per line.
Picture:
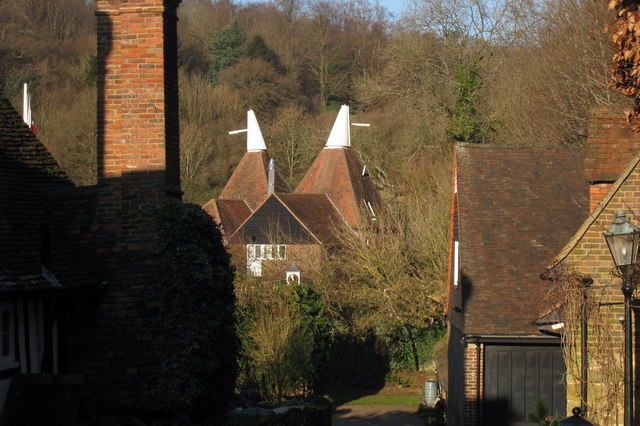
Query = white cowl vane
x=255 y=141
x=340 y=136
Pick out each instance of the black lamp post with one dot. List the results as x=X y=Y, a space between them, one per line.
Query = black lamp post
x=622 y=239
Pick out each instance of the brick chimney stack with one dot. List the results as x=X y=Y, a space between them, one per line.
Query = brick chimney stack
x=113 y=342
x=138 y=129
x=611 y=144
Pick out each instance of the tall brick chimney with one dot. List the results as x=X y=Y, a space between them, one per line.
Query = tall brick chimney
x=138 y=129
x=110 y=336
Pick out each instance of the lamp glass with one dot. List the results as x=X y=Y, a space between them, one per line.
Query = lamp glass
x=623 y=247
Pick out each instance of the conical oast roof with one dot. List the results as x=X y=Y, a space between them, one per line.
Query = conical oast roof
x=338 y=172
x=249 y=180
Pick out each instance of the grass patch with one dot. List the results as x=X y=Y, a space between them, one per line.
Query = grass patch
x=384 y=398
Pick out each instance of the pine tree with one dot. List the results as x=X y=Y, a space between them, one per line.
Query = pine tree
x=224 y=50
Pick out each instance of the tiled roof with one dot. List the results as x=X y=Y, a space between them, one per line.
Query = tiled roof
x=595 y=214
x=610 y=146
x=229 y=214
x=339 y=174
x=249 y=180
x=30 y=182
x=291 y=219
x=516 y=208
x=318 y=213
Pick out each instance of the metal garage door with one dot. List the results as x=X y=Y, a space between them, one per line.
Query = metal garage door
x=515 y=376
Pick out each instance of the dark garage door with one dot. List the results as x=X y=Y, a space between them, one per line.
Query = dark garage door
x=518 y=375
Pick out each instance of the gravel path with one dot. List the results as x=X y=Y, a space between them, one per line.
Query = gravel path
x=376 y=415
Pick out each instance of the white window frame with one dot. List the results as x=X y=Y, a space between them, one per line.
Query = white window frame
x=266 y=252
x=7 y=336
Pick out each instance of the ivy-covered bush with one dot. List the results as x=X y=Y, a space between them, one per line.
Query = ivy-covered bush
x=196 y=303
x=411 y=347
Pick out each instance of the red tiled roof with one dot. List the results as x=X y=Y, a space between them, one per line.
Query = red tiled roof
x=291 y=219
x=318 y=213
x=610 y=146
x=516 y=208
x=229 y=214
x=249 y=180
x=339 y=174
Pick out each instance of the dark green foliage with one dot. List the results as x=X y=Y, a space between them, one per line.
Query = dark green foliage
x=224 y=50
x=284 y=337
x=257 y=48
x=13 y=87
x=91 y=73
x=411 y=347
x=196 y=303
x=356 y=359
x=316 y=324
x=541 y=417
x=466 y=124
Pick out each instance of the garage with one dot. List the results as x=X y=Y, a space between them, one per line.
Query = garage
x=516 y=376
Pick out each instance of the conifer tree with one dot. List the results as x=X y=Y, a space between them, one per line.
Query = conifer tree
x=224 y=50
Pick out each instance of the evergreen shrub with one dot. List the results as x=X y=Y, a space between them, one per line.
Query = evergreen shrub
x=195 y=320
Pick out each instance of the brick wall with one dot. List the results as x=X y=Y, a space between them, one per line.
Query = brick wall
x=472 y=387
x=590 y=257
x=462 y=395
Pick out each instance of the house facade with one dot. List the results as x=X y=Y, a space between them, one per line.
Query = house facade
x=267 y=227
x=581 y=275
x=512 y=209
x=77 y=263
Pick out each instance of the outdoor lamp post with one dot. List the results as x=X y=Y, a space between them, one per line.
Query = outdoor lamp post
x=622 y=239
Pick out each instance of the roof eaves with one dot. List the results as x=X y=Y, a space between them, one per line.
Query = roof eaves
x=247 y=219
x=593 y=216
x=340 y=214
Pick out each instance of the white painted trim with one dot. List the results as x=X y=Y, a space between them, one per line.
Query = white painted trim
x=456 y=263
x=22 y=347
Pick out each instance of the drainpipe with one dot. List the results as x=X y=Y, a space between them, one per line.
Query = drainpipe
x=586 y=283
x=583 y=349
x=478 y=406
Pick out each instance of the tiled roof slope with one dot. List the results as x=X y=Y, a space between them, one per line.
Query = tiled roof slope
x=318 y=213
x=26 y=168
x=338 y=173
x=291 y=219
x=29 y=181
x=516 y=209
x=611 y=145
x=229 y=214
x=249 y=180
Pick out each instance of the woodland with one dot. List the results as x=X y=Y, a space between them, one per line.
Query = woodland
x=525 y=72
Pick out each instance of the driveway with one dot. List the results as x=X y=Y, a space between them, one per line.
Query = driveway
x=376 y=415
